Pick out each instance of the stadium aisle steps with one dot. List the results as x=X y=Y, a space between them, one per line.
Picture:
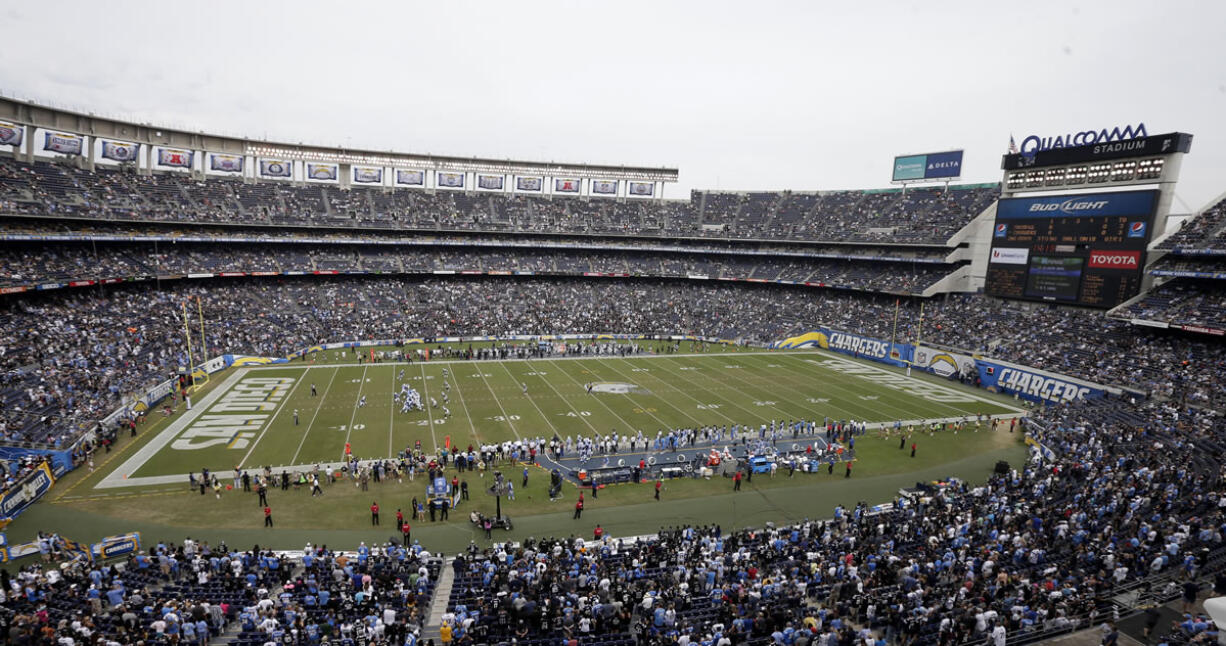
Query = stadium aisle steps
x=438 y=606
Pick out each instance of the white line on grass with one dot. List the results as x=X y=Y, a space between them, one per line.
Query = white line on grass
x=427 y=404
x=706 y=374
x=294 y=460
x=301 y=378
x=391 y=415
x=460 y=393
x=354 y=415
x=750 y=384
x=490 y=388
x=533 y=402
x=637 y=406
x=849 y=412
x=600 y=401
x=846 y=395
x=666 y=401
x=917 y=380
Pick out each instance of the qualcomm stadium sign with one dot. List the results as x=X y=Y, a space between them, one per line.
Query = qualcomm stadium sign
x=1117 y=136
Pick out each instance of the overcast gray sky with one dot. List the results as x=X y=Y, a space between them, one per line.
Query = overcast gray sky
x=738 y=95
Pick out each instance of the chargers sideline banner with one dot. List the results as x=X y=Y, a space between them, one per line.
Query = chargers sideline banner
x=276 y=168
x=895 y=354
x=1034 y=384
x=29 y=489
x=120 y=151
x=175 y=157
x=227 y=163
x=63 y=142
x=11 y=134
x=1027 y=383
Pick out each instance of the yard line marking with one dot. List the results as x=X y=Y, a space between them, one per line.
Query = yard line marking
x=427 y=404
x=598 y=399
x=311 y=423
x=749 y=384
x=533 y=402
x=669 y=403
x=717 y=411
x=391 y=416
x=460 y=392
x=301 y=378
x=922 y=382
x=848 y=395
x=645 y=409
x=354 y=415
x=499 y=402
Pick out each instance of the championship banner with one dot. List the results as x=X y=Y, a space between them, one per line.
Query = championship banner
x=411 y=177
x=227 y=163
x=321 y=171
x=120 y=151
x=29 y=489
x=565 y=186
x=490 y=182
x=528 y=183
x=604 y=186
x=175 y=157
x=63 y=142
x=276 y=168
x=11 y=134
x=367 y=175
x=452 y=180
x=643 y=189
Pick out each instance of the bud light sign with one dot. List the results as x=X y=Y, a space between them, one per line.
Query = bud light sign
x=1125 y=204
x=916 y=168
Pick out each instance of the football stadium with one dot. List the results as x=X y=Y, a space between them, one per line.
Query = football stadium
x=336 y=351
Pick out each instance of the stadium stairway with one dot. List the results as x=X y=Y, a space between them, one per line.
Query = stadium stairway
x=438 y=607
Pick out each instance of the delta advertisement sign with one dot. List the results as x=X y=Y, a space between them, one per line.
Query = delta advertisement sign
x=940 y=166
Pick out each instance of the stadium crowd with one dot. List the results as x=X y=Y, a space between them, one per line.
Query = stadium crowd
x=38 y=264
x=1200 y=303
x=916 y=216
x=191 y=593
x=69 y=358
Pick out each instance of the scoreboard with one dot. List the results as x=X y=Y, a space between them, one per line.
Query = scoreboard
x=1086 y=249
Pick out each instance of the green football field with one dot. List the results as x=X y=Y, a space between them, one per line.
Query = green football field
x=256 y=416
x=245 y=417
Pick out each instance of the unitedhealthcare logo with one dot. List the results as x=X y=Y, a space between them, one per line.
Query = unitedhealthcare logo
x=1071 y=207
